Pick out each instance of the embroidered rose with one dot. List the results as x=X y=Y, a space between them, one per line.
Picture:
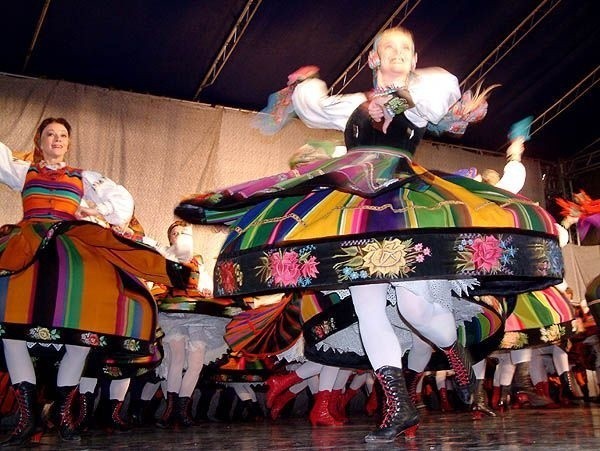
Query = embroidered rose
x=486 y=253
x=131 y=344
x=285 y=268
x=229 y=276
x=552 y=333
x=514 y=340
x=289 y=268
x=92 y=339
x=386 y=257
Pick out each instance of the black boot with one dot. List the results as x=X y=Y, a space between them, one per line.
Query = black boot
x=140 y=412
x=86 y=411
x=400 y=415
x=412 y=380
x=65 y=420
x=115 y=421
x=464 y=377
x=505 y=398
x=480 y=403
x=24 y=430
x=184 y=411
x=567 y=395
x=524 y=388
x=167 y=419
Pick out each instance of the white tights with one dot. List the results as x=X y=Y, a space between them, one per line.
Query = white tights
x=21 y=369
x=431 y=320
x=177 y=381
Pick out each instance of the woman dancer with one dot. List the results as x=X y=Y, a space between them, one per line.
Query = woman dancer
x=69 y=281
x=373 y=218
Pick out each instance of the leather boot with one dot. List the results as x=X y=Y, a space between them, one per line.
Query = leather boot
x=567 y=396
x=115 y=421
x=24 y=431
x=542 y=389
x=65 y=420
x=184 y=411
x=480 y=403
x=167 y=419
x=280 y=402
x=141 y=413
x=86 y=411
x=412 y=379
x=444 y=401
x=523 y=387
x=495 y=397
x=337 y=406
x=505 y=398
x=277 y=383
x=345 y=399
x=319 y=414
x=400 y=415
x=464 y=377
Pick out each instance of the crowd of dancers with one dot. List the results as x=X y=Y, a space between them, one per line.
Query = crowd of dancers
x=355 y=271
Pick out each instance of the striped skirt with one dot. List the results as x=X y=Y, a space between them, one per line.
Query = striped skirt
x=75 y=282
x=539 y=318
x=373 y=216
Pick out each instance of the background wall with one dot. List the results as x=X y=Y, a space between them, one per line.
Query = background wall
x=162 y=150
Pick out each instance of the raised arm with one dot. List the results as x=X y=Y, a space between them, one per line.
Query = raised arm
x=12 y=170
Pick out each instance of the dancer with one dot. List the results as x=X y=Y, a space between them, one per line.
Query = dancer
x=373 y=218
x=192 y=339
x=69 y=281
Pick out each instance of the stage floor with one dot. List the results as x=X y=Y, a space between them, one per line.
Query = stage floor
x=566 y=428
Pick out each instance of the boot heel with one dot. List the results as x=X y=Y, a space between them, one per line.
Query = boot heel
x=477 y=415
x=36 y=438
x=411 y=432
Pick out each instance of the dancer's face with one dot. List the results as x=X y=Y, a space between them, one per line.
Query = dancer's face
x=54 y=142
x=397 y=56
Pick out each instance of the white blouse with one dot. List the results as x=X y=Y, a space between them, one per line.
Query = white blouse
x=111 y=200
x=434 y=91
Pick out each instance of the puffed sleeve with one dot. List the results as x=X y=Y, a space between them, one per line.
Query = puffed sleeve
x=513 y=178
x=12 y=170
x=317 y=109
x=112 y=201
x=434 y=91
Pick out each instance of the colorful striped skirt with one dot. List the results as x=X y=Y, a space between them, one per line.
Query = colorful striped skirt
x=373 y=216
x=539 y=318
x=75 y=282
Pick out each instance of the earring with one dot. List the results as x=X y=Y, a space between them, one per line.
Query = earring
x=373 y=60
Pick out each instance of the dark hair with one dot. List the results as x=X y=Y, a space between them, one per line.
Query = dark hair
x=44 y=124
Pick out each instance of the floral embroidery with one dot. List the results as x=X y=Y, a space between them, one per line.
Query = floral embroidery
x=131 y=344
x=112 y=371
x=324 y=329
x=554 y=262
x=386 y=258
x=92 y=339
x=514 y=340
x=289 y=268
x=43 y=333
x=552 y=333
x=229 y=277
x=484 y=254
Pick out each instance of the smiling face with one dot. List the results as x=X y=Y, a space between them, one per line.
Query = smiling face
x=397 y=56
x=54 y=142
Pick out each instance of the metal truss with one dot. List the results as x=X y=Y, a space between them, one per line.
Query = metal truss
x=584 y=163
x=587 y=83
x=361 y=60
x=230 y=43
x=36 y=33
x=528 y=24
